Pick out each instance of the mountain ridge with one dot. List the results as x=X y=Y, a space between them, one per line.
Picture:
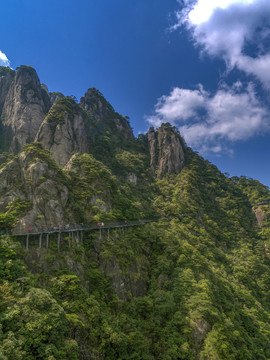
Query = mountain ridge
x=194 y=285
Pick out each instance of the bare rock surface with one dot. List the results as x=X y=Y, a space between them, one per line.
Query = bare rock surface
x=37 y=187
x=166 y=151
x=24 y=109
x=64 y=131
x=6 y=79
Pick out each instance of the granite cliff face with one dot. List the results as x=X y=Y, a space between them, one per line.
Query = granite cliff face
x=166 y=150
x=34 y=189
x=6 y=78
x=103 y=114
x=76 y=128
x=64 y=130
x=29 y=112
x=24 y=108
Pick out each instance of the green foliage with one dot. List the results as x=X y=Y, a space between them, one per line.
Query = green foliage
x=19 y=207
x=6 y=158
x=4 y=70
x=33 y=324
x=7 y=221
x=193 y=285
x=65 y=107
x=25 y=67
x=37 y=153
x=41 y=323
x=132 y=162
x=101 y=194
x=255 y=191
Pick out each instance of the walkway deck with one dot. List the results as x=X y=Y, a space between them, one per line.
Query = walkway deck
x=75 y=232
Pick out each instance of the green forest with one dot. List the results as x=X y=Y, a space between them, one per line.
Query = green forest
x=191 y=281
x=194 y=285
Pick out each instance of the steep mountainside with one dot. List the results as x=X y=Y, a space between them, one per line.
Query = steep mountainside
x=25 y=106
x=193 y=283
x=166 y=150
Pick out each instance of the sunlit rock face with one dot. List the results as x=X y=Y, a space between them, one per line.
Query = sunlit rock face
x=24 y=108
x=37 y=187
x=166 y=151
x=64 y=130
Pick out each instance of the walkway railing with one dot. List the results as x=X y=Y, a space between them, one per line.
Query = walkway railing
x=82 y=227
x=75 y=232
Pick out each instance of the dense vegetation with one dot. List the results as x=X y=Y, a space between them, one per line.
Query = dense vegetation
x=192 y=285
x=195 y=285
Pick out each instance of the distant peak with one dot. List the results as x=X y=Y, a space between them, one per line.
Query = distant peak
x=93 y=100
x=26 y=68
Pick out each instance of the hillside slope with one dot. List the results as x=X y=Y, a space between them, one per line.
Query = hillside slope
x=193 y=285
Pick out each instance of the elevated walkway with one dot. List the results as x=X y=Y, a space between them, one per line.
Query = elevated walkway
x=74 y=232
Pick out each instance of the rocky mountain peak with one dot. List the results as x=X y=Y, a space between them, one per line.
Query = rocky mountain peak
x=166 y=150
x=94 y=101
x=24 y=108
x=103 y=112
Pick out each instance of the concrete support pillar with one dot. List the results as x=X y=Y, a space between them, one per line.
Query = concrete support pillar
x=40 y=241
x=27 y=242
x=58 y=240
x=47 y=241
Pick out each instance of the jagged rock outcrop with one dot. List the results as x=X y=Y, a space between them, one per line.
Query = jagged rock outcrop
x=152 y=141
x=70 y=127
x=54 y=96
x=35 y=190
x=166 y=150
x=31 y=113
x=6 y=78
x=259 y=213
x=64 y=130
x=24 y=108
x=104 y=115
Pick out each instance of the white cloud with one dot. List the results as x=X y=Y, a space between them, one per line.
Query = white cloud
x=3 y=59
x=203 y=10
x=210 y=122
x=232 y=29
x=181 y=103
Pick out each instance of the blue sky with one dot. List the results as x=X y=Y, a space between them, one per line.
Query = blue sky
x=202 y=65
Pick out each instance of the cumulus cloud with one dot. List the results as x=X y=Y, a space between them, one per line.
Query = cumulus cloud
x=236 y=30
x=3 y=59
x=210 y=122
x=180 y=104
